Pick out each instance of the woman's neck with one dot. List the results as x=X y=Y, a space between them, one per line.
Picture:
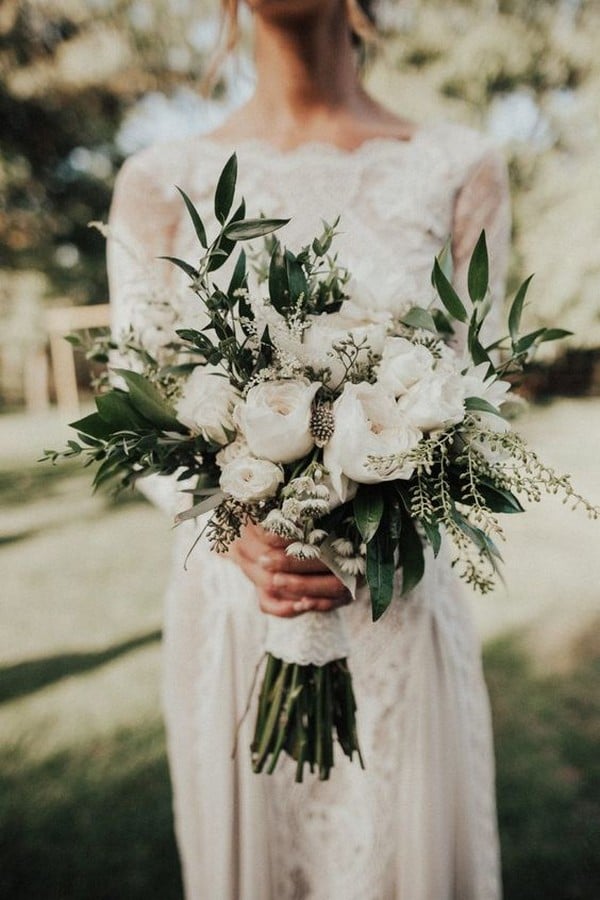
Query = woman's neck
x=306 y=78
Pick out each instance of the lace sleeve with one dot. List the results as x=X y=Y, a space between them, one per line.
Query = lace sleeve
x=142 y=226
x=483 y=202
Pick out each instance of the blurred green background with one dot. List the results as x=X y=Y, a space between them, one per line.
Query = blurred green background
x=85 y=796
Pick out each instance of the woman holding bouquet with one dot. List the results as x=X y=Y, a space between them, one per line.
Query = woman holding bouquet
x=418 y=823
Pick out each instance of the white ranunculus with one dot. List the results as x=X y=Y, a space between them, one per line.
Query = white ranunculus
x=232 y=451
x=207 y=404
x=249 y=480
x=437 y=401
x=275 y=419
x=368 y=422
x=403 y=364
x=327 y=330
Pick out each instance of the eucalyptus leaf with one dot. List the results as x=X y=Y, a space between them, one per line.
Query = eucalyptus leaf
x=195 y=217
x=368 y=509
x=226 y=189
x=445 y=259
x=448 y=295
x=499 y=500
x=478 y=274
x=417 y=317
x=524 y=343
x=198 y=508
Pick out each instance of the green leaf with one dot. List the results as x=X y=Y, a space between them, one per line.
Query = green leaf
x=238 y=278
x=279 y=289
x=93 y=425
x=481 y=405
x=554 y=334
x=524 y=343
x=433 y=535
x=380 y=572
x=368 y=510
x=498 y=499
x=117 y=410
x=448 y=295
x=181 y=263
x=195 y=217
x=412 y=559
x=445 y=260
x=148 y=401
x=417 y=317
x=296 y=278
x=226 y=189
x=246 y=229
x=223 y=247
x=478 y=274
x=442 y=322
x=516 y=309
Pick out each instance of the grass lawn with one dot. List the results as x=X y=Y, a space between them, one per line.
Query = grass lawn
x=84 y=793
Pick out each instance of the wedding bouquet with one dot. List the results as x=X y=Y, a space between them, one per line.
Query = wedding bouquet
x=357 y=439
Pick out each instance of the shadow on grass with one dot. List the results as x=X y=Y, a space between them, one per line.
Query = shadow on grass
x=91 y=824
x=547 y=733
x=32 y=675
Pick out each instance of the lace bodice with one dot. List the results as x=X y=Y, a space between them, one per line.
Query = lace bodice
x=419 y=823
x=398 y=201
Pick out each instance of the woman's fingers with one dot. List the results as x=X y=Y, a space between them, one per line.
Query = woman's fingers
x=279 y=561
x=308 y=585
x=287 y=609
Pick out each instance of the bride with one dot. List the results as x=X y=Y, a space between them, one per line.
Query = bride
x=419 y=822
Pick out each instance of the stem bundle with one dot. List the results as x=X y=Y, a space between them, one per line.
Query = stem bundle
x=298 y=709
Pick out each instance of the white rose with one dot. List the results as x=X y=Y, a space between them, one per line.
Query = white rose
x=368 y=422
x=403 y=364
x=275 y=419
x=248 y=479
x=437 y=401
x=207 y=404
x=327 y=330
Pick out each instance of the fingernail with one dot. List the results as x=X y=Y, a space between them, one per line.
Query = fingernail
x=265 y=561
x=303 y=605
x=279 y=580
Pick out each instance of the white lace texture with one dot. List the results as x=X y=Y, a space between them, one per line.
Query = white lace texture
x=311 y=638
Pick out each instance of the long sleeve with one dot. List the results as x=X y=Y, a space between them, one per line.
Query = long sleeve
x=483 y=202
x=142 y=226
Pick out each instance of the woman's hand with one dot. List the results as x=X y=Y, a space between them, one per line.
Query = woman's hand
x=286 y=586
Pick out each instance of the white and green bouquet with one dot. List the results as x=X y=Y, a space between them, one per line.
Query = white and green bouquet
x=359 y=440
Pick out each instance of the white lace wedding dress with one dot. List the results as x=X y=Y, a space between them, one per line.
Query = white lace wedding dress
x=419 y=823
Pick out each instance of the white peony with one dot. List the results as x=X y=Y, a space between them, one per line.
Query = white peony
x=275 y=419
x=368 y=422
x=207 y=404
x=249 y=480
x=437 y=401
x=403 y=364
x=327 y=330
